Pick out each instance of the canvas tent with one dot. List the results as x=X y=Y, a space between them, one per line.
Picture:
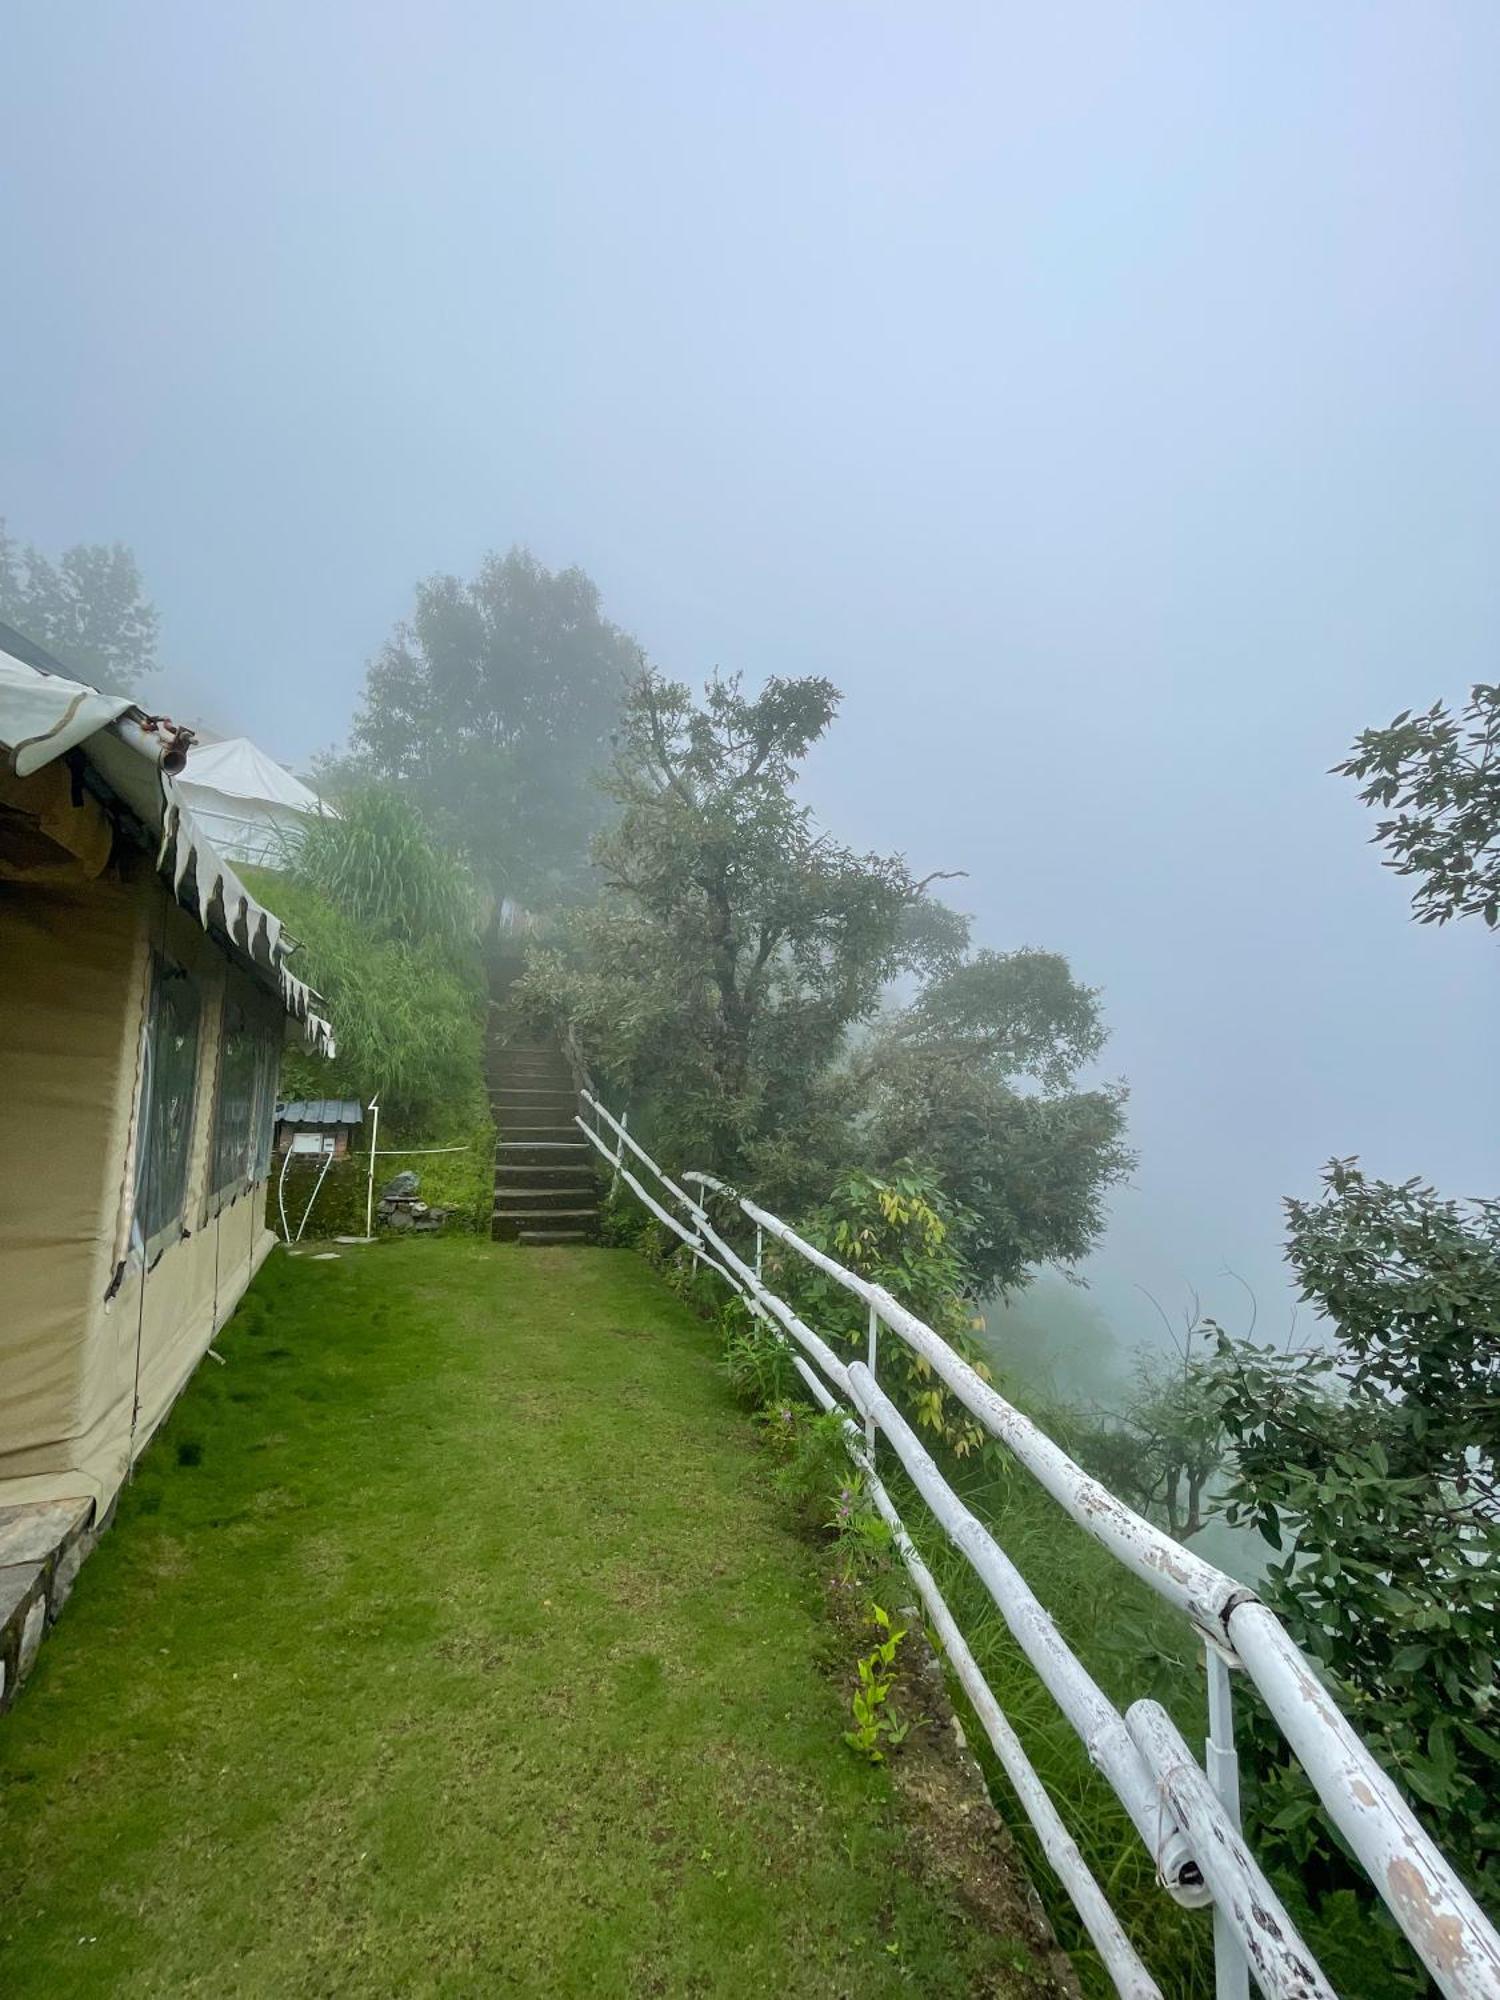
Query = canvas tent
x=144 y=998
x=250 y=808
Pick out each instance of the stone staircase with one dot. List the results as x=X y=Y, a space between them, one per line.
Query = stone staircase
x=545 y=1185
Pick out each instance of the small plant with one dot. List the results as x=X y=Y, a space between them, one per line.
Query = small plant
x=758 y=1364
x=864 y=1538
x=814 y=1460
x=876 y=1726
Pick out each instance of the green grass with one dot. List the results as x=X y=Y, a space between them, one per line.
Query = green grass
x=451 y=1641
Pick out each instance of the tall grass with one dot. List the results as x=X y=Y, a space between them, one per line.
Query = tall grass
x=388 y=921
x=378 y=865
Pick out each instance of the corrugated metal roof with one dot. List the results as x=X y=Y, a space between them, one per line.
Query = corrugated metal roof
x=321 y=1111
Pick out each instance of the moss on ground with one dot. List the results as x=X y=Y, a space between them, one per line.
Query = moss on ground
x=449 y=1641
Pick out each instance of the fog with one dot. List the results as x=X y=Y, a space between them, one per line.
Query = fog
x=1105 y=397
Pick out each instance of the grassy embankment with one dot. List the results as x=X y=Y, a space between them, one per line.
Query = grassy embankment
x=450 y=1640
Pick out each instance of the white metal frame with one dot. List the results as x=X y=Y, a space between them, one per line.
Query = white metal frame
x=1187 y=1815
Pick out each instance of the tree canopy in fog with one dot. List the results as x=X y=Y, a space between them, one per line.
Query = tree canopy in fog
x=736 y=943
x=89 y=609
x=979 y=1079
x=494 y=704
x=739 y=947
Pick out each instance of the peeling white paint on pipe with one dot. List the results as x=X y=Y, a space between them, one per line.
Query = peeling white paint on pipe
x=1447 y=1928
x=1129 y=1975
x=1098 y=1723
x=1116 y=1953
x=1195 y=1587
x=1282 y=1965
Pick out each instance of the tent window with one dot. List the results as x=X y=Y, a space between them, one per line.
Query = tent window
x=170 y=1091
x=245 y=1117
x=263 y=1129
x=239 y=1052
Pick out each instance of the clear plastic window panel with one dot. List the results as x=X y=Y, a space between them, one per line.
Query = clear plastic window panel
x=234 y=1119
x=267 y=1071
x=171 y=1083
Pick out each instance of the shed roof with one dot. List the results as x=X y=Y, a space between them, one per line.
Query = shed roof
x=321 y=1111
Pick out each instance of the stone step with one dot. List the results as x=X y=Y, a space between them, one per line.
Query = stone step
x=511 y=1225
x=524 y=1200
x=542 y=1153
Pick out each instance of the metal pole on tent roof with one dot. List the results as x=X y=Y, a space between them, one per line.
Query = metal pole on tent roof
x=373 y=1107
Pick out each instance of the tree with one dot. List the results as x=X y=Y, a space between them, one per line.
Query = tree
x=1441 y=772
x=1371 y=1464
x=89 y=609
x=738 y=943
x=493 y=705
x=1163 y=1451
x=977 y=1079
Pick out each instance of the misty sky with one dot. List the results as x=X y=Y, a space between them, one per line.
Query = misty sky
x=1106 y=397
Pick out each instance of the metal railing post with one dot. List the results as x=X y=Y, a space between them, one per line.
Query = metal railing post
x=1221 y=1766
x=873 y=1349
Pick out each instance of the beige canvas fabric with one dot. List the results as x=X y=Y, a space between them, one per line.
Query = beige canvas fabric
x=79 y=1350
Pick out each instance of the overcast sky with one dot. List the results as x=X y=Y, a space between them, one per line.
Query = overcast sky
x=1105 y=397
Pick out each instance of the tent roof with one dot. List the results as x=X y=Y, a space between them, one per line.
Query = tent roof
x=45 y=715
x=242 y=770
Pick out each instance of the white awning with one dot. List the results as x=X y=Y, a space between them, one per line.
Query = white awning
x=43 y=716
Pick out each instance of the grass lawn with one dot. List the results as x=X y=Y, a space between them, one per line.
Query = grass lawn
x=450 y=1641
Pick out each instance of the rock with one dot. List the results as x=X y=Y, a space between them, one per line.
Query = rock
x=31 y=1638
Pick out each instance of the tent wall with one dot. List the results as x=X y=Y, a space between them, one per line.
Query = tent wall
x=72 y=971
x=86 y=1378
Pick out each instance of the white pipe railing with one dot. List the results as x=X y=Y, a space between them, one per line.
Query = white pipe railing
x=1188 y=1819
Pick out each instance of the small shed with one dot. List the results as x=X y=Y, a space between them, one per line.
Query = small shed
x=318 y=1124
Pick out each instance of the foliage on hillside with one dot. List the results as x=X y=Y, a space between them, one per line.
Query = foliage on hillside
x=978 y=1078
x=1373 y=1465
